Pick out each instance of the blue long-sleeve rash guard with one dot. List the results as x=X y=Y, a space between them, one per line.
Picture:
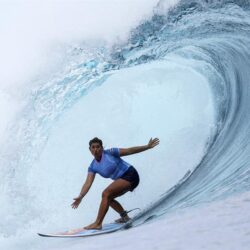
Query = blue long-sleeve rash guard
x=111 y=164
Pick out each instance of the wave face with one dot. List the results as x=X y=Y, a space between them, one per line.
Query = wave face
x=216 y=34
x=171 y=65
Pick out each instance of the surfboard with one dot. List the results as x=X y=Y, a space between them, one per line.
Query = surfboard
x=81 y=232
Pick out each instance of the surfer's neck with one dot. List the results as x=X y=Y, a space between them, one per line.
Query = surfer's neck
x=98 y=158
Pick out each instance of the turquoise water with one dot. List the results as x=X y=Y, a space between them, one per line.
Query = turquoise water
x=182 y=75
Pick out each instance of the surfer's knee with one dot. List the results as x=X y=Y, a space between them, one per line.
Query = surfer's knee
x=106 y=194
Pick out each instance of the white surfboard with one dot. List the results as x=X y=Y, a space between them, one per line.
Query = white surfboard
x=81 y=232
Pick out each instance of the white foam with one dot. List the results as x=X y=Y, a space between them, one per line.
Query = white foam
x=35 y=37
x=33 y=33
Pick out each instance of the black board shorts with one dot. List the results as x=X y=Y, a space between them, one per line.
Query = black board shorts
x=132 y=176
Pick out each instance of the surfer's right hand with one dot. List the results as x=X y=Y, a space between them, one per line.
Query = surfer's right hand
x=76 y=203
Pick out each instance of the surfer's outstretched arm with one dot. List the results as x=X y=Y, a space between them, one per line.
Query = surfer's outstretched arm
x=85 y=188
x=134 y=150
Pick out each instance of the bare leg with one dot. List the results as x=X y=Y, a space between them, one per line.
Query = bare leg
x=116 y=206
x=115 y=189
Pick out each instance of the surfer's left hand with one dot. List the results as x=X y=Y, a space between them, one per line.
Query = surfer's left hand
x=153 y=142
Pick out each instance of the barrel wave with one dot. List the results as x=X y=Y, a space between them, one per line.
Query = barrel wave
x=183 y=75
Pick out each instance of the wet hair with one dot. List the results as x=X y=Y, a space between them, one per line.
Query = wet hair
x=95 y=140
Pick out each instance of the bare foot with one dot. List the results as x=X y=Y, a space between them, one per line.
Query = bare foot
x=93 y=226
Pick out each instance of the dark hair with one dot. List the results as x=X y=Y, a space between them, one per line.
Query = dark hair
x=95 y=140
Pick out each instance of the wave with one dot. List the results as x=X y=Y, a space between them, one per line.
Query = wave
x=219 y=38
x=210 y=39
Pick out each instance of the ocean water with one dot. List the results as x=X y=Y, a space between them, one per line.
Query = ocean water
x=177 y=70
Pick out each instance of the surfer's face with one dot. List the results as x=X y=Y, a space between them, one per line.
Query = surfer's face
x=96 y=150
